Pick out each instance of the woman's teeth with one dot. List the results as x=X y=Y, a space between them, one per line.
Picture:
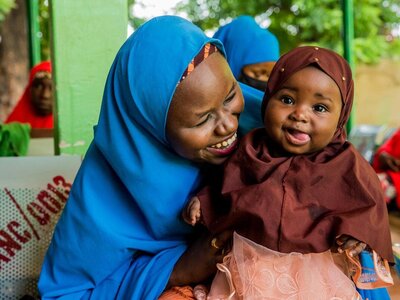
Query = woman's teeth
x=226 y=143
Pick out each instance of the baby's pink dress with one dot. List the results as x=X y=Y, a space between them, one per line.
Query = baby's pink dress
x=251 y=271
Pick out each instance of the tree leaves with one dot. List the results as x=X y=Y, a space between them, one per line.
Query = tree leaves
x=5 y=7
x=298 y=22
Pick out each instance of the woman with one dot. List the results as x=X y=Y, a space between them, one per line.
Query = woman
x=251 y=50
x=167 y=111
x=386 y=163
x=36 y=104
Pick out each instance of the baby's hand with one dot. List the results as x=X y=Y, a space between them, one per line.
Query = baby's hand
x=192 y=213
x=200 y=292
x=346 y=242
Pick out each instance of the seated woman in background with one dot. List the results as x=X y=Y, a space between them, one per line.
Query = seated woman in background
x=251 y=50
x=386 y=163
x=36 y=103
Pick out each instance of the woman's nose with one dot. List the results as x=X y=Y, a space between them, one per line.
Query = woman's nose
x=228 y=124
x=47 y=92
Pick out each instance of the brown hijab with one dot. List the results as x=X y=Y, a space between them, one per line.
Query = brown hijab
x=301 y=203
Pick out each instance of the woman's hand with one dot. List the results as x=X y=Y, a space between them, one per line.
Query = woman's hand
x=389 y=162
x=199 y=261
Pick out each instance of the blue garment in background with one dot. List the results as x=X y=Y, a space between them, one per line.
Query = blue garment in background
x=247 y=43
x=120 y=233
x=251 y=117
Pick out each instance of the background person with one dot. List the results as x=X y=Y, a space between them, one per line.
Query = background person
x=36 y=103
x=386 y=163
x=251 y=50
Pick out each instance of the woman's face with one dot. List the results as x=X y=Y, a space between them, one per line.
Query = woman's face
x=42 y=95
x=302 y=116
x=204 y=113
x=259 y=71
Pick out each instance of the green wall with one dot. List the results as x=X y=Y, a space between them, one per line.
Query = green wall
x=85 y=37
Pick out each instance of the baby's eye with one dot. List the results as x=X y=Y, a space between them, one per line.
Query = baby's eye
x=287 y=100
x=320 y=108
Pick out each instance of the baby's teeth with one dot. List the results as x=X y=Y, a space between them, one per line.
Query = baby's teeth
x=224 y=143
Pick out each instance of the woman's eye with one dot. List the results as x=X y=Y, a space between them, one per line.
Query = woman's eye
x=229 y=99
x=208 y=117
x=287 y=100
x=320 y=108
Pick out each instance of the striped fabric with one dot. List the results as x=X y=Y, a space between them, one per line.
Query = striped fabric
x=205 y=52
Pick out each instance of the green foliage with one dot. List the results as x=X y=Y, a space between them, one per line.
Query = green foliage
x=44 y=28
x=5 y=7
x=395 y=49
x=134 y=21
x=317 y=22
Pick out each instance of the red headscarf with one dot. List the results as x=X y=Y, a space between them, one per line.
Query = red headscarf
x=24 y=111
x=302 y=203
x=392 y=147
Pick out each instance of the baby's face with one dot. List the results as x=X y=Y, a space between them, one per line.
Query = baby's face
x=302 y=116
x=203 y=116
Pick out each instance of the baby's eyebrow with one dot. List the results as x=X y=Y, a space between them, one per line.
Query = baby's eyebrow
x=293 y=89
x=319 y=95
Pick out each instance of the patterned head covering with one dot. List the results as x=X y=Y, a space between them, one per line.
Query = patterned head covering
x=205 y=52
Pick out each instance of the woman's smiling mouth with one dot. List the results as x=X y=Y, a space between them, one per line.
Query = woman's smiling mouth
x=226 y=143
x=225 y=147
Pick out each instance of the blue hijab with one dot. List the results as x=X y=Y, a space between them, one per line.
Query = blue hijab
x=120 y=233
x=251 y=117
x=247 y=43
